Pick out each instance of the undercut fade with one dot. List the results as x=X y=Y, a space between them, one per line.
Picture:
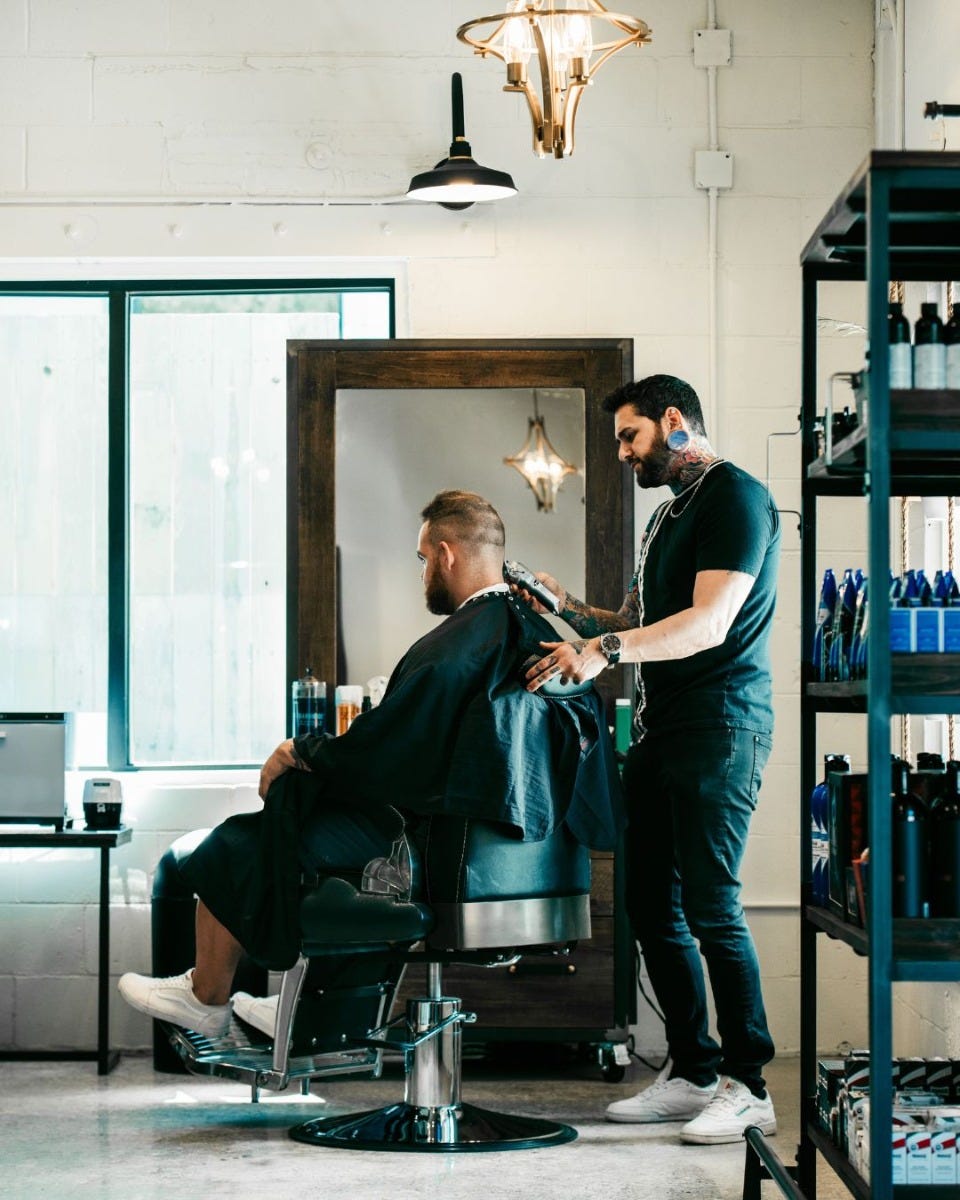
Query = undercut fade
x=651 y=397
x=465 y=517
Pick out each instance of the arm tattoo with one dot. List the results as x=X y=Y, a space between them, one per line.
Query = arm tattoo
x=591 y=622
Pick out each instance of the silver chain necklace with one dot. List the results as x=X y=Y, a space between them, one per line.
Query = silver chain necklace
x=668 y=508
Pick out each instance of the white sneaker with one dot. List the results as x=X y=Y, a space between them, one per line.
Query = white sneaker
x=258 y=1011
x=664 y=1100
x=728 y=1114
x=173 y=1000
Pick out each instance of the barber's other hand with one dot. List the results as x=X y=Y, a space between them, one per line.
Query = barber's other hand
x=284 y=758
x=578 y=661
x=550 y=584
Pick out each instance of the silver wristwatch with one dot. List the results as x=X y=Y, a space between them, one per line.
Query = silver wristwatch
x=611 y=647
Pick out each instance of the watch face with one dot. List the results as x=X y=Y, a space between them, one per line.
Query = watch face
x=610 y=645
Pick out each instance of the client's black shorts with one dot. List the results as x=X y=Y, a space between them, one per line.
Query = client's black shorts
x=227 y=871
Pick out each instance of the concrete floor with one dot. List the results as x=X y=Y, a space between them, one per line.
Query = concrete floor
x=138 y=1134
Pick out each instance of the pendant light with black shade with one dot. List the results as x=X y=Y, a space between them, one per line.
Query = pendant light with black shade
x=457 y=181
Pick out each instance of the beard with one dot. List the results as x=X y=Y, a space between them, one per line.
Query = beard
x=658 y=465
x=439 y=600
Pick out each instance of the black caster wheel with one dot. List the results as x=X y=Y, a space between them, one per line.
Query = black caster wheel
x=610 y=1070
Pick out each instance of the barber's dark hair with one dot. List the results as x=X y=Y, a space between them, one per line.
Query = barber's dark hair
x=651 y=397
x=455 y=516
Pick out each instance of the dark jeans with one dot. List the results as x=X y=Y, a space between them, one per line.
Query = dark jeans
x=690 y=796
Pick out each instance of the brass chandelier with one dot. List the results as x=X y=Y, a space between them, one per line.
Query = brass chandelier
x=539 y=463
x=559 y=34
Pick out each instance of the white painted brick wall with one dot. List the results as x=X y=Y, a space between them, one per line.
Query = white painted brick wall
x=222 y=98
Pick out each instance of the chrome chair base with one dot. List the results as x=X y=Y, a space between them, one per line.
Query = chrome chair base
x=404 y=1126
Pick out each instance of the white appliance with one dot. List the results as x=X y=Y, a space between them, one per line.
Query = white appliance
x=33 y=760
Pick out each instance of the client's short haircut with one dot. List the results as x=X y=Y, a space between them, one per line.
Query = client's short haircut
x=455 y=516
x=651 y=397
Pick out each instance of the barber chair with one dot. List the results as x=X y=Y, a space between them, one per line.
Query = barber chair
x=485 y=898
x=465 y=891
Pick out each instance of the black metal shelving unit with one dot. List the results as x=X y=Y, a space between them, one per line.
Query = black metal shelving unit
x=897 y=219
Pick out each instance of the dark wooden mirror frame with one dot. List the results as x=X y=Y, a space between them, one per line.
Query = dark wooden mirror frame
x=317 y=370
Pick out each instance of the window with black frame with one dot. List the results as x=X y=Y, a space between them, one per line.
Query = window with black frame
x=196 y=616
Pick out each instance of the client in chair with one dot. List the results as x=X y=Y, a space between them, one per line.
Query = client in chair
x=455 y=734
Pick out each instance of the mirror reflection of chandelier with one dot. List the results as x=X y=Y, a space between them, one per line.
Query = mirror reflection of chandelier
x=559 y=34
x=539 y=463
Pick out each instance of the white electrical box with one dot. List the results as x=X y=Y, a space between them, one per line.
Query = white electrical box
x=713 y=169
x=712 y=48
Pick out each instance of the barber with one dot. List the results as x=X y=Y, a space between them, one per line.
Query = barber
x=696 y=623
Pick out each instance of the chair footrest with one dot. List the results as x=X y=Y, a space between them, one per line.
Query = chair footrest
x=462 y=1129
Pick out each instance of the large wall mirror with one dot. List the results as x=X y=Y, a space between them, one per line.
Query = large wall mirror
x=376 y=428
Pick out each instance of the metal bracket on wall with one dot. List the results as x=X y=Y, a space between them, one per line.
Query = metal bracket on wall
x=770 y=437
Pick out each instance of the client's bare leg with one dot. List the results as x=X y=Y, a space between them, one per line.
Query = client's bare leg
x=218 y=953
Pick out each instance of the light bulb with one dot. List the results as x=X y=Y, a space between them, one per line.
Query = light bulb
x=577 y=38
x=517 y=38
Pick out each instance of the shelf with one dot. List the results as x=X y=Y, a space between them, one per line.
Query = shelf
x=923 y=951
x=858 y=1186
x=924 y=216
x=919 y=683
x=924 y=444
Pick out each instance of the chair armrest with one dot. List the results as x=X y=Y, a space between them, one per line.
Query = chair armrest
x=337 y=914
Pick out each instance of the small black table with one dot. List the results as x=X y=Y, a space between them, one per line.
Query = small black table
x=104 y=840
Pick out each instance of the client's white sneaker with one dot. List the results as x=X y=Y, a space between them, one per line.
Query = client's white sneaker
x=664 y=1100
x=728 y=1114
x=173 y=1000
x=258 y=1011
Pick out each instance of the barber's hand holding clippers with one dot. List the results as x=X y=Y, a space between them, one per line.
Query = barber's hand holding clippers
x=541 y=591
x=283 y=759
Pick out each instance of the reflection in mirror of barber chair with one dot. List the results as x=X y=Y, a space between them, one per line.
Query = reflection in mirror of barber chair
x=488 y=896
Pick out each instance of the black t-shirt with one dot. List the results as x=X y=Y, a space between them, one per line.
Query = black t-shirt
x=729 y=523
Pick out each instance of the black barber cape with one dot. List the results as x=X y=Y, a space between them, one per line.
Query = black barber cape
x=455 y=733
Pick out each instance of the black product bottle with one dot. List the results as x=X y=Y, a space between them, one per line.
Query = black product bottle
x=929 y=781
x=909 y=829
x=945 y=848
x=901 y=352
x=929 y=351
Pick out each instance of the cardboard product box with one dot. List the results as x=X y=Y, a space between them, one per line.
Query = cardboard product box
x=951 y=630
x=829 y=1082
x=913 y=1074
x=940 y=1078
x=928 y=624
x=943 y=1153
x=850 y=1118
x=856 y=1070
x=919 y=1157
x=848 y=833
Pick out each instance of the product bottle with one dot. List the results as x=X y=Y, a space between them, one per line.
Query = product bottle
x=951 y=335
x=945 y=848
x=901 y=352
x=930 y=778
x=909 y=829
x=838 y=662
x=858 y=642
x=309 y=704
x=929 y=351
x=819 y=829
x=821 y=637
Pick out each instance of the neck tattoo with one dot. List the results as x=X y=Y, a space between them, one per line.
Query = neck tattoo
x=691 y=464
